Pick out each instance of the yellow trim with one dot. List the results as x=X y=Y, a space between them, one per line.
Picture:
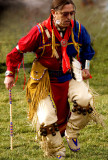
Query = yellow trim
x=76 y=45
x=79 y=37
x=53 y=103
x=42 y=40
x=40 y=48
x=73 y=43
x=46 y=45
x=79 y=31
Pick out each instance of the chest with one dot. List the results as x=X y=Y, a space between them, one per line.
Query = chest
x=45 y=45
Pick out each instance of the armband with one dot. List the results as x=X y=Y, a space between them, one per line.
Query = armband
x=17 y=47
x=87 y=64
x=9 y=73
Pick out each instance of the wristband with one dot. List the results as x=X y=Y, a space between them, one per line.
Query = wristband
x=9 y=73
x=87 y=64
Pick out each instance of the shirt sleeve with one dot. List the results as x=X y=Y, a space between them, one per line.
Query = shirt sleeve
x=27 y=43
x=86 y=50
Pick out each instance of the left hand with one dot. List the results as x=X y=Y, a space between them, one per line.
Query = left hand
x=85 y=74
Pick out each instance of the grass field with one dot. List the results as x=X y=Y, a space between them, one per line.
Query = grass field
x=93 y=138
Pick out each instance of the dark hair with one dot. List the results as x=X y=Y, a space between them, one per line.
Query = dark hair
x=59 y=4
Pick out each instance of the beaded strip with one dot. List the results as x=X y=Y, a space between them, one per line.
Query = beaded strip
x=11 y=124
x=10 y=99
x=40 y=77
x=8 y=73
x=11 y=129
x=53 y=103
x=42 y=39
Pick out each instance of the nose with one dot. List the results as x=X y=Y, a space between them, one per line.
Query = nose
x=69 y=16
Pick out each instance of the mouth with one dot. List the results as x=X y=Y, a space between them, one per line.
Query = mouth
x=67 y=21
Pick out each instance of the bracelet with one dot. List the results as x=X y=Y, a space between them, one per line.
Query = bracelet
x=9 y=73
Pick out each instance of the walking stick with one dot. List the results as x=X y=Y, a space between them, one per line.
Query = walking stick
x=11 y=124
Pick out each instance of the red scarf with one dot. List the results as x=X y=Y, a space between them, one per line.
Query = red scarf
x=63 y=41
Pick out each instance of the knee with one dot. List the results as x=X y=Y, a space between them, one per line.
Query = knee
x=84 y=100
x=46 y=112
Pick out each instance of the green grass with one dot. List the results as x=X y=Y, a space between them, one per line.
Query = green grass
x=93 y=138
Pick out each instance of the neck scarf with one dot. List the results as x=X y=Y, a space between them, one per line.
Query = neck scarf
x=64 y=42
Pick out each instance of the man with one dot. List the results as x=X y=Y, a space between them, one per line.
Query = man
x=55 y=77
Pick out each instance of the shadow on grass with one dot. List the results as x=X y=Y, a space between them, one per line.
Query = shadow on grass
x=2 y=67
x=27 y=66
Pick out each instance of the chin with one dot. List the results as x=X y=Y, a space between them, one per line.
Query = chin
x=64 y=25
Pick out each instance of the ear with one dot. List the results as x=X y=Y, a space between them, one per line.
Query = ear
x=53 y=12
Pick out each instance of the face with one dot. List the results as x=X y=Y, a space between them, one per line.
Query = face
x=62 y=18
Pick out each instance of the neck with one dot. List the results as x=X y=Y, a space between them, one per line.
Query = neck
x=60 y=28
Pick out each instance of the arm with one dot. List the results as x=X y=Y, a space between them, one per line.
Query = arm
x=86 y=52
x=26 y=44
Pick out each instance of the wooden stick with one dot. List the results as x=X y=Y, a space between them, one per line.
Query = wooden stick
x=11 y=124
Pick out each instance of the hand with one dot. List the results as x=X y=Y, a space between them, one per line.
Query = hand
x=85 y=74
x=9 y=81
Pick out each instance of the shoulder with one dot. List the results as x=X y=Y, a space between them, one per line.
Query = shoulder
x=35 y=29
x=82 y=33
x=79 y=27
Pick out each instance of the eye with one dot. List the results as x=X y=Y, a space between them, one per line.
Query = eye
x=65 y=14
x=71 y=13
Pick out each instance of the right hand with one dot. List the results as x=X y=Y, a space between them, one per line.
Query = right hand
x=9 y=81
